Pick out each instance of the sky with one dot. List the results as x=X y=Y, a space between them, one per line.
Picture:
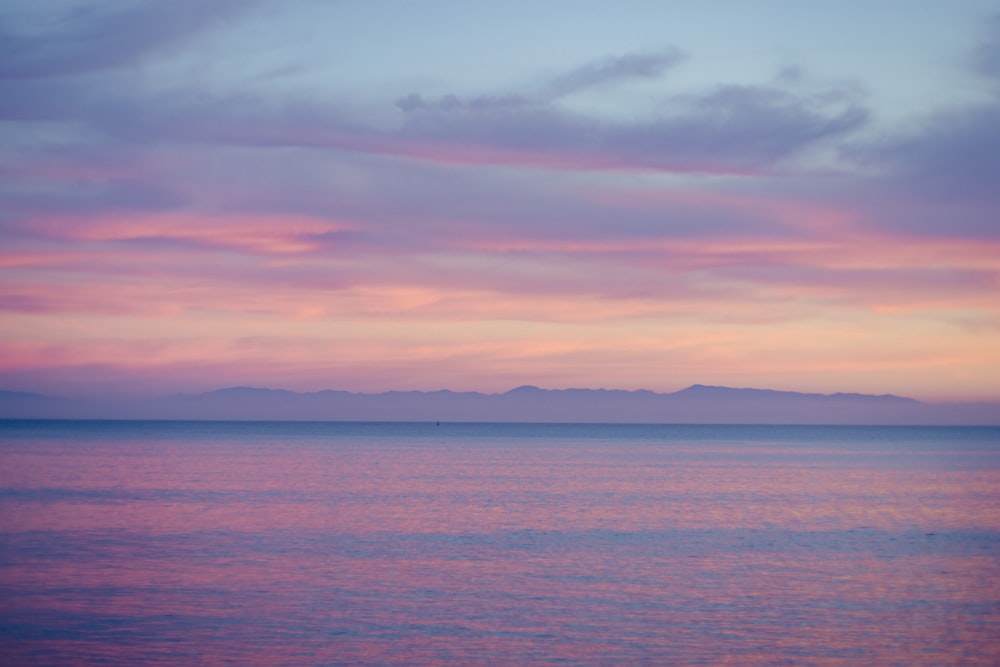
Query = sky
x=387 y=194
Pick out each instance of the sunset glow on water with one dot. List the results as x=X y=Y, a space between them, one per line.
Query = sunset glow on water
x=339 y=544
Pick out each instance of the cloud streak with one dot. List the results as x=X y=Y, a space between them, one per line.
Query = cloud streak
x=614 y=69
x=732 y=129
x=634 y=219
x=94 y=37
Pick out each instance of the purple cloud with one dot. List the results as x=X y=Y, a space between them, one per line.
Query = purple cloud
x=986 y=54
x=740 y=127
x=937 y=177
x=613 y=69
x=733 y=128
x=955 y=156
x=104 y=36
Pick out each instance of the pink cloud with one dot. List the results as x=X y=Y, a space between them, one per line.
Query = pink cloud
x=255 y=234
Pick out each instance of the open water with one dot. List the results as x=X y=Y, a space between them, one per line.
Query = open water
x=203 y=543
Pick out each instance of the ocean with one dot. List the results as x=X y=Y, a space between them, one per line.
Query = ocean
x=241 y=543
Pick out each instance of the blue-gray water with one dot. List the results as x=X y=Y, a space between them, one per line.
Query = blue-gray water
x=477 y=544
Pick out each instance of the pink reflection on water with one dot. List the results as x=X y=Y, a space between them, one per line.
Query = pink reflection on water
x=449 y=489
x=485 y=554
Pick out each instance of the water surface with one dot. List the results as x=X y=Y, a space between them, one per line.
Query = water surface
x=497 y=544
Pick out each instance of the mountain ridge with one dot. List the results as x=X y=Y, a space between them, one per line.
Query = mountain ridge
x=717 y=390
x=697 y=403
x=776 y=393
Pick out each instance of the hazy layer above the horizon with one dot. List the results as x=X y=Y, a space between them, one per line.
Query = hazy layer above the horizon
x=695 y=404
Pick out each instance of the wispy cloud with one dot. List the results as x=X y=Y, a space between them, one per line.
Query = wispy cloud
x=625 y=210
x=96 y=36
x=985 y=57
x=731 y=129
x=727 y=130
x=613 y=69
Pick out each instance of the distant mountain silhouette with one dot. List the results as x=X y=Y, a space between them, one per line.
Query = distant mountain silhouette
x=695 y=404
x=708 y=391
x=14 y=401
x=25 y=396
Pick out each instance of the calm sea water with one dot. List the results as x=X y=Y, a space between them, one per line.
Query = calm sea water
x=202 y=543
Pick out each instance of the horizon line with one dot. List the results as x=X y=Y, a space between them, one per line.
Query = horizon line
x=522 y=387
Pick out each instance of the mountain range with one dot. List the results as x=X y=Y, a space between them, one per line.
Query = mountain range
x=695 y=404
